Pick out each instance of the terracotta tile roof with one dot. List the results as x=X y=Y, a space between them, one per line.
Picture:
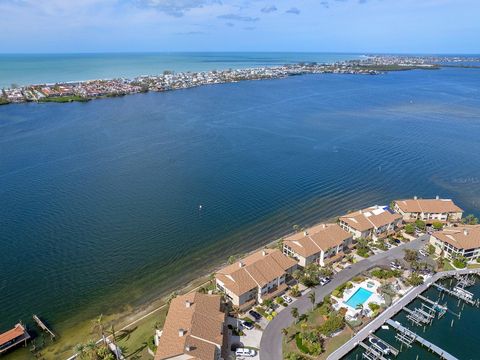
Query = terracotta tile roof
x=255 y=270
x=12 y=334
x=428 y=206
x=200 y=318
x=370 y=218
x=317 y=238
x=465 y=237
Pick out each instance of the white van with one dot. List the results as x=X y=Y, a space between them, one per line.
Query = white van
x=245 y=352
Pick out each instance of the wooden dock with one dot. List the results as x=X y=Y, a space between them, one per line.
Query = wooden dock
x=430 y=346
x=392 y=311
x=44 y=327
x=463 y=295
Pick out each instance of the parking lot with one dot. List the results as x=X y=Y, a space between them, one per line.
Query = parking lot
x=250 y=339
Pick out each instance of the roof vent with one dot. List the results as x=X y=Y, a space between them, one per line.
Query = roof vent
x=324 y=226
x=415 y=197
x=181 y=332
x=305 y=233
x=188 y=348
x=264 y=253
x=241 y=264
x=188 y=303
x=465 y=232
x=437 y=197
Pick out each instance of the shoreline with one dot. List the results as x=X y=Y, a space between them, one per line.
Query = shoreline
x=128 y=316
x=83 y=91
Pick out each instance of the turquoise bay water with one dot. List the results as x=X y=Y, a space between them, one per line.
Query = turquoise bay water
x=27 y=69
x=360 y=296
x=100 y=200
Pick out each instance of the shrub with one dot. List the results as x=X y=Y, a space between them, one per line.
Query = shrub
x=308 y=343
x=358 y=279
x=459 y=262
x=324 y=309
x=385 y=274
x=294 y=356
x=295 y=291
x=410 y=229
x=373 y=306
x=338 y=292
x=415 y=279
x=332 y=324
x=420 y=224
x=437 y=225
x=363 y=252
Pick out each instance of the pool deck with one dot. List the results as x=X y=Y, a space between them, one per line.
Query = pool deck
x=392 y=311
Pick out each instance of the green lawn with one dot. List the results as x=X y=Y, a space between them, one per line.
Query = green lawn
x=314 y=319
x=334 y=343
x=134 y=340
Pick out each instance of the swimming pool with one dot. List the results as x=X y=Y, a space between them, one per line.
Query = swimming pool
x=359 y=297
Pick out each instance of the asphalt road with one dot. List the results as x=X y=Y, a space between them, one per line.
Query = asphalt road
x=271 y=343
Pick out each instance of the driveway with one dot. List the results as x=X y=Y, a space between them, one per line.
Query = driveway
x=271 y=343
x=251 y=339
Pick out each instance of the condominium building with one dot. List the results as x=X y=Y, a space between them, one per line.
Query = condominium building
x=319 y=244
x=255 y=278
x=375 y=222
x=194 y=329
x=458 y=241
x=428 y=210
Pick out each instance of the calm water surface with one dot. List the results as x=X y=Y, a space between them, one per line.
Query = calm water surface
x=459 y=340
x=100 y=201
x=25 y=69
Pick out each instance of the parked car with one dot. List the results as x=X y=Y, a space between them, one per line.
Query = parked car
x=245 y=352
x=397 y=241
x=255 y=315
x=395 y=266
x=324 y=281
x=247 y=324
x=287 y=298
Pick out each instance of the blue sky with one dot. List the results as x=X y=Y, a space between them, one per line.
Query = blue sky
x=400 y=26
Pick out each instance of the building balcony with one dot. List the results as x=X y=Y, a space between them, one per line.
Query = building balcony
x=274 y=292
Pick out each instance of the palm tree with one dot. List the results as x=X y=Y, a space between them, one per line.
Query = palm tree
x=172 y=296
x=91 y=348
x=312 y=298
x=80 y=350
x=114 y=337
x=294 y=312
x=98 y=325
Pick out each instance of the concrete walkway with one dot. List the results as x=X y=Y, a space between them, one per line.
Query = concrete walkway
x=271 y=343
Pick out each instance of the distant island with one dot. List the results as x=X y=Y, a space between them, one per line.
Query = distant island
x=87 y=90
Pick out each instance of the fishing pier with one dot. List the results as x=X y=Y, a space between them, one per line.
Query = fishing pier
x=44 y=327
